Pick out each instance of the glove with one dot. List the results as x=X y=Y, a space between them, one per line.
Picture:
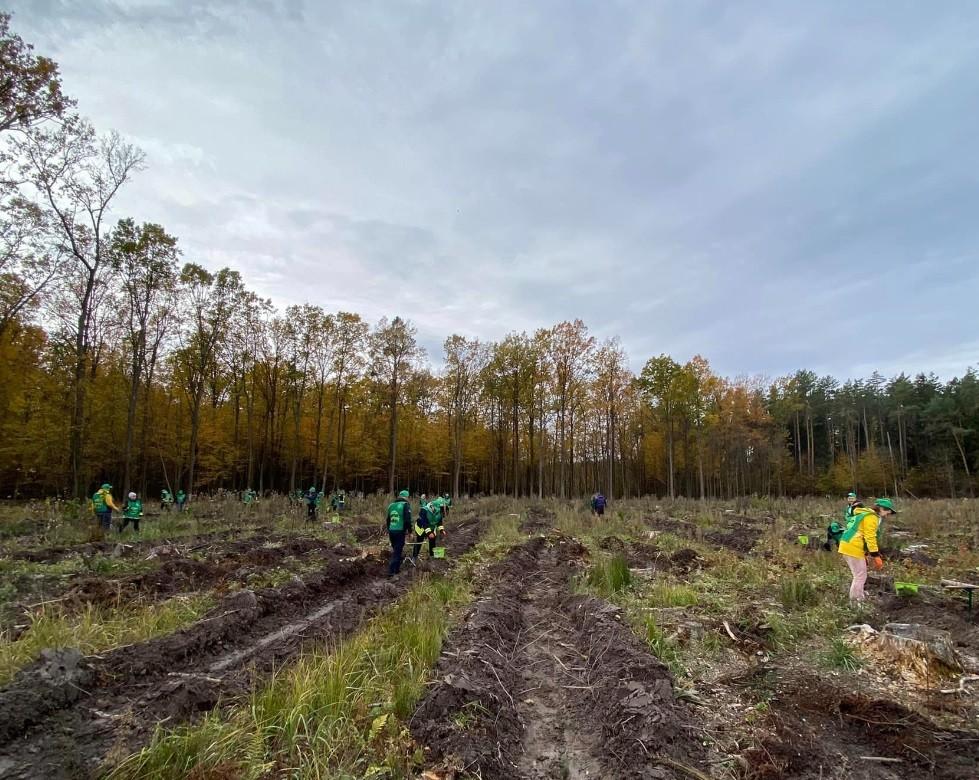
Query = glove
x=431 y=535
x=877 y=562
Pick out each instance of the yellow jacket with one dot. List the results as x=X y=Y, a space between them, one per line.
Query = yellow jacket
x=860 y=536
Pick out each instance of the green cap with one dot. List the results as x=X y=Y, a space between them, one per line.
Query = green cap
x=106 y=486
x=404 y=494
x=885 y=503
x=851 y=494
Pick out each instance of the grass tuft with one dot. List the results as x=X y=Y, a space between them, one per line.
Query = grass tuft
x=797 y=593
x=843 y=656
x=610 y=576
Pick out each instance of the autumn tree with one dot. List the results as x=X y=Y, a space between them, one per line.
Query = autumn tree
x=393 y=349
x=208 y=305
x=571 y=348
x=464 y=360
x=73 y=177
x=144 y=261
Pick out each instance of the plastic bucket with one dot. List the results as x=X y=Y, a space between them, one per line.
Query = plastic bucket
x=803 y=540
x=439 y=552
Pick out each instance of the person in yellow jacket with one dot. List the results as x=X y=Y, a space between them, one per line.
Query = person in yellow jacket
x=103 y=505
x=858 y=544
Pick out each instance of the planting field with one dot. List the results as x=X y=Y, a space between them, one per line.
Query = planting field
x=665 y=640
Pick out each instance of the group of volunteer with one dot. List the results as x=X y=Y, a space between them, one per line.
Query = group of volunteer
x=428 y=525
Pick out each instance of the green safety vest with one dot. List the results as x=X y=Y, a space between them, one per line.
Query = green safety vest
x=859 y=513
x=133 y=508
x=99 y=502
x=399 y=512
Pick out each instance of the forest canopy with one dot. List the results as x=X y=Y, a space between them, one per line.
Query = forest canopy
x=123 y=360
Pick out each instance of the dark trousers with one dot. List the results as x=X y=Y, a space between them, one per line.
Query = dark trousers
x=126 y=521
x=600 y=511
x=416 y=546
x=105 y=520
x=397 y=551
x=310 y=511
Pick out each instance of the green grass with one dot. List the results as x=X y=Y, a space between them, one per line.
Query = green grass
x=96 y=630
x=663 y=647
x=841 y=655
x=341 y=712
x=797 y=593
x=666 y=594
x=609 y=576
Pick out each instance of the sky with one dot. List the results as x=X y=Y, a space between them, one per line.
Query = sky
x=771 y=185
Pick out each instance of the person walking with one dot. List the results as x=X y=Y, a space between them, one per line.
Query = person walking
x=598 y=504
x=181 y=500
x=103 y=505
x=397 y=522
x=131 y=512
x=166 y=500
x=859 y=544
x=312 y=504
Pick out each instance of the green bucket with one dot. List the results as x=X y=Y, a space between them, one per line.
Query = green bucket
x=439 y=552
x=803 y=540
x=906 y=588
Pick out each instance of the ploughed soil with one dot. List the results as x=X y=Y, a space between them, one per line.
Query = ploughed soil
x=821 y=731
x=62 y=716
x=541 y=683
x=539 y=520
x=215 y=565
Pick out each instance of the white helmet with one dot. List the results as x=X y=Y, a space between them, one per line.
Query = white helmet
x=132 y=496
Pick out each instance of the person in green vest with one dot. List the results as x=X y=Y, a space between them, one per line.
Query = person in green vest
x=131 y=512
x=249 y=497
x=181 y=500
x=446 y=503
x=312 y=504
x=103 y=505
x=397 y=521
x=426 y=527
x=859 y=544
x=835 y=529
x=166 y=500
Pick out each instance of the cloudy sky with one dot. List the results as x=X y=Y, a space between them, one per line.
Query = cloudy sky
x=771 y=185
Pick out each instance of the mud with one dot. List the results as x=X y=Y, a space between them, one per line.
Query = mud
x=48 y=729
x=538 y=684
x=540 y=519
x=821 y=731
x=740 y=539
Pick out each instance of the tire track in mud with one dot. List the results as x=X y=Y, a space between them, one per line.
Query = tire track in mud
x=539 y=683
x=64 y=715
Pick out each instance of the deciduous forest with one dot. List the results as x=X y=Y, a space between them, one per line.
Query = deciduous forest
x=125 y=360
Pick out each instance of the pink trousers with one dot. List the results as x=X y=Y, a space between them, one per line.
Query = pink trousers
x=858 y=568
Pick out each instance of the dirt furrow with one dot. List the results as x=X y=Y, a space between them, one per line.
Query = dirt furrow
x=539 y=683
x=62 y=717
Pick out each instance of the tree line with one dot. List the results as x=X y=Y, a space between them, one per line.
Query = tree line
x=121 y=360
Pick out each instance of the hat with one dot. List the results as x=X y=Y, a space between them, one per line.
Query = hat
x=885 y=503
x=851 y=494
x=106 y=486
x=132 y=496
x=404 y=494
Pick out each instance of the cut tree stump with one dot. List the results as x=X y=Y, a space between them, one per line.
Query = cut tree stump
x=919 y=645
